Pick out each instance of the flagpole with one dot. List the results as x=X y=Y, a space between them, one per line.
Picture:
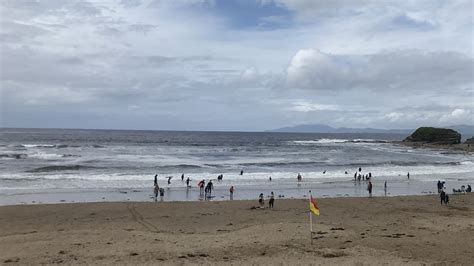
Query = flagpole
x=310 y=220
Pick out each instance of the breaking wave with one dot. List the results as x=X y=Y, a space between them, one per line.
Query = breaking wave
x=54 y=168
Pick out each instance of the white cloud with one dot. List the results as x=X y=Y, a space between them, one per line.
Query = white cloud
x=303 y=106
x=391 y=64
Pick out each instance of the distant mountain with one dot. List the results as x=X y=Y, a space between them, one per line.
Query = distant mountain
x=465 y=130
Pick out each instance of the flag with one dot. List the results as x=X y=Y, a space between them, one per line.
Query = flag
x=313 y=206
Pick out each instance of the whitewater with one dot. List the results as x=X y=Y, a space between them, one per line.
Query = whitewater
x=49 y=161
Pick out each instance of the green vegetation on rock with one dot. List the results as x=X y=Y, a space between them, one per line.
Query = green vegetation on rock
x=435 y=136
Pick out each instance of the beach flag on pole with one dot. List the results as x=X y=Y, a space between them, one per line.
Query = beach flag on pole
x=313 y=206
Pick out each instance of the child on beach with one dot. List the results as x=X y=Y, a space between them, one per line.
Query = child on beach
x=162 y=193
x=261 y=201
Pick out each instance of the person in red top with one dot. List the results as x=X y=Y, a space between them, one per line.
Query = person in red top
x=201 y=186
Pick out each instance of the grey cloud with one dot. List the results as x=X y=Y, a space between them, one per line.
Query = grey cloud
x=142 y=28
x=13 y=32
x=408 y=70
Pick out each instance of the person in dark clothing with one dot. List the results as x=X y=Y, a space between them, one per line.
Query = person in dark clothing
x=369 y=188
x=162 y=193
x=209 y=188
x=187 y=182
x=156 y=190
x=156 y=181
x=468 y=189
x=260 y=200
x=182 y=177
x=442 y=196
x=299 y=177
x=271 y=201
x=241 y=172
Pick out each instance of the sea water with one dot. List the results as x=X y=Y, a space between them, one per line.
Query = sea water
x=56 y=165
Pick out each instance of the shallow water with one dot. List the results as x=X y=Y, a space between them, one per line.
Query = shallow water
x=50 y=165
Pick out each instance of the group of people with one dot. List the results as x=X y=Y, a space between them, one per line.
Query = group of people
x=358 y=175
x=206 y=188
x=444 y=197
x=271 y=201
x=463 y=189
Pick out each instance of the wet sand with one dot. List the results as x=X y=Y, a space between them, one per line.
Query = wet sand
x=380 y=230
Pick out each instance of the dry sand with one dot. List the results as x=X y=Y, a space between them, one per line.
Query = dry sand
x=399 y=230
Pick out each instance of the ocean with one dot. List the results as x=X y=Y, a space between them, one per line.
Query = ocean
x=65 y=165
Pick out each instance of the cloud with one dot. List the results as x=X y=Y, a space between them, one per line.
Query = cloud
x=407 y=70
x=303 y=106
x=190 y=65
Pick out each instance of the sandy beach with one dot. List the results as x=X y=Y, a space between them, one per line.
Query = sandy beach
x=380 y=230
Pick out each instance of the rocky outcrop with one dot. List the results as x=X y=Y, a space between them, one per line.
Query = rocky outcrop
x=434 y=135
x=469 y=141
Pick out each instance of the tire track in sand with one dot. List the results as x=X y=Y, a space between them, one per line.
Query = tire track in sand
x=137 y=217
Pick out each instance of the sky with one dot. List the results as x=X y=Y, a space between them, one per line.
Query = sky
x=235 y=65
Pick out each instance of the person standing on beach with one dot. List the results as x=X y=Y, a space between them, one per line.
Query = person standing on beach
x=182 y=177
x=385 y=188
x=231 y=190
x=187 y=182
x=156 y=190
x=162 y=193
x=442 y=197
x=201 y=186
x=261 y=201
x=408 y=175
x=369 y=188
x=155 y=183
x=271 y=201
x=209 y=188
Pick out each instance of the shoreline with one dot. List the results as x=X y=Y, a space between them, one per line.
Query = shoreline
x=331 y=189
x=395 y=230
